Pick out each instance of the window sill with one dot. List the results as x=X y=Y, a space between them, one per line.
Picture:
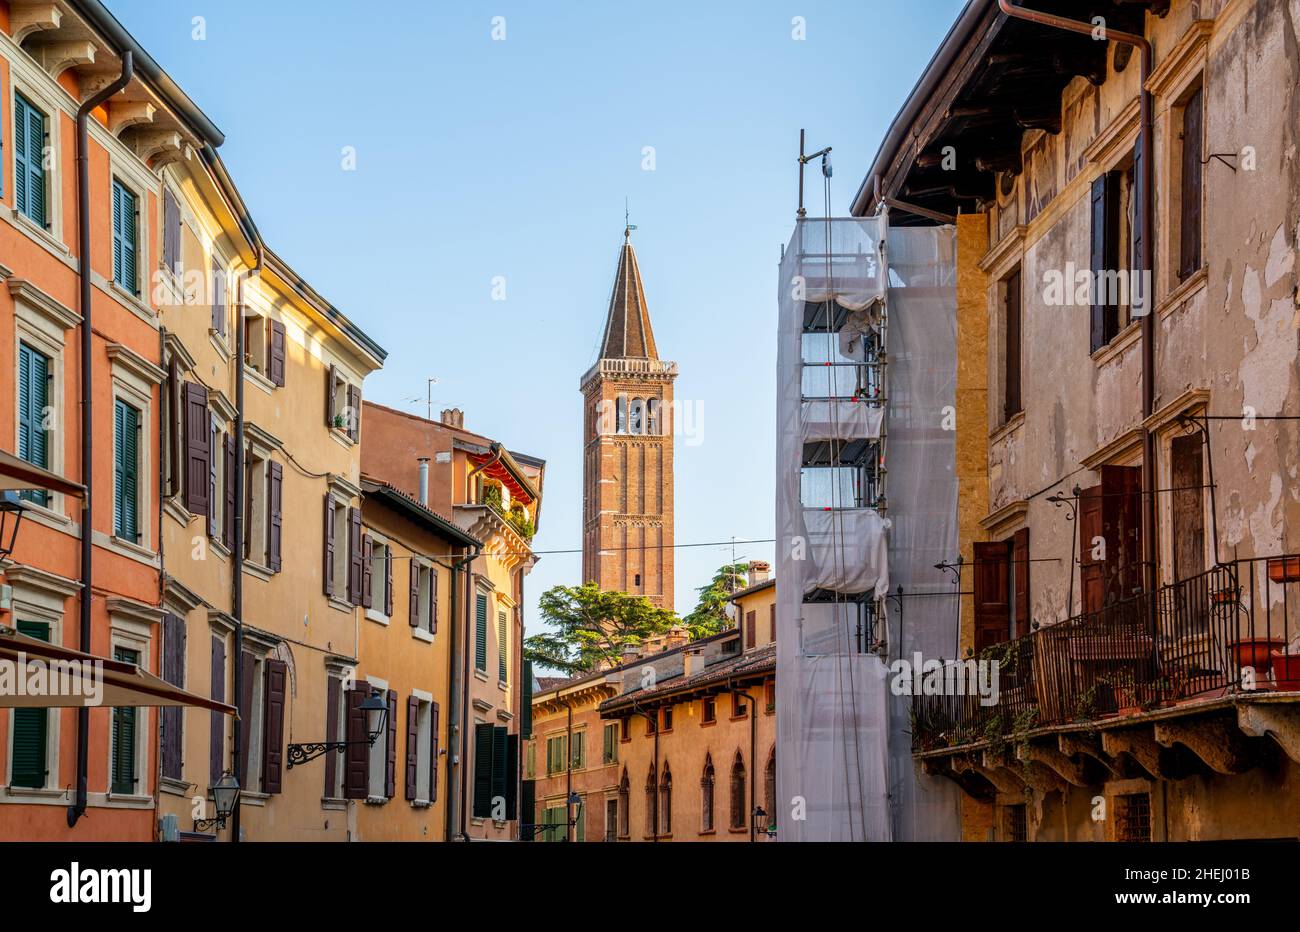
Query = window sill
x=376 y=800
x=128 y=298
x=1183 y=292
x=421 y=804
x=253 y=568
x=131 y=800
x=709 y=723
x=421 y=635
x=179 y=513
x=341 y=604
x=738 y=718
x=503 y=685
x=253 y=798
x=333 y=804
x=1118 y=343
x=34 y=792
x=709 y=831
x=481 y=674
x=219 y=343
x=132 y=548
x=28 y=225
x=43 y=514
x=378 y=618
x=252 y=374
x=219 y=547
x=1008 y=428
x=341 y=435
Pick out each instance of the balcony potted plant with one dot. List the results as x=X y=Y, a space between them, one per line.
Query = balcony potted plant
x=1257 y=653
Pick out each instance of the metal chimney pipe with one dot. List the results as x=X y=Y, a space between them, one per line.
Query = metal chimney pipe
x=424 y=481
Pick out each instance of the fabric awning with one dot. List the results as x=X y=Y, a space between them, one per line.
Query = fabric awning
x=36 y=674
x=20 y=475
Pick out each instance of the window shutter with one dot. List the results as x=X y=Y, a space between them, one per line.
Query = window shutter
x=1121 y=510
x=171 y=232
x=198 y=455
x=502 y=627
x=356 y=774
x=771 y=622
x=751 y=629
x=1187 y=510
x=331 y=380
x=275 y=500
x=526 y=701
x=1013 y=316
x=354 y=413
x=412 y=745
x=1189 y=237
x=1141 y=259
x=480 y=633
x=1092 y=572
x=327 y=568
x=273 y=733
x=1020 y=575
x=29 y=160
x=276 y=365
x=388 y=581
x=174 y=428
x=228 y=525
x=22 y=173
x=332 y=687
x=217 y=735
x=174 y=673
x=482 y=771
x=30 y=728
x=1104 y=250
x=245 y=716
x=992 y=594
x=433 y=599
x=414 y=600
x=355 y=588
x=435 y=740
x=367 y=552
x=390 y=770
x=499 y=740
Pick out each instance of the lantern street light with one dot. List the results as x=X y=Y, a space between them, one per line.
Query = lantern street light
x=225 y=795
x=11 y=515
x=302 y=753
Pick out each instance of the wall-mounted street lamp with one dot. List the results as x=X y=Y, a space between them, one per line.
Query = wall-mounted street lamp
x=302 y=753
x=225 y=794
x=536 y=829
x=11 y=515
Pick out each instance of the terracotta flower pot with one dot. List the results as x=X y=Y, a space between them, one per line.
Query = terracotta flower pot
x=1284 y=569
x=1256 y=652
x=1287 y=671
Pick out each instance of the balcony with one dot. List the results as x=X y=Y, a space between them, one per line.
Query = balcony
x=1200 y=666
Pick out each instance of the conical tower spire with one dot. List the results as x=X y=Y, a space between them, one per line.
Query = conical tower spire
x=627 y=328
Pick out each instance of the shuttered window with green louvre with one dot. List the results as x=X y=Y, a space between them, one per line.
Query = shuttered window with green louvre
x=126 y=469
x=31 y=728
x=482 y=771
x=124 y=737
x=124 y=238
x=33 y=398
x=29 y=160
x=480 y=633
x=503 y=657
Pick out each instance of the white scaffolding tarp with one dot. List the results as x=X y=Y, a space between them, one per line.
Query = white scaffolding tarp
x=844 y=767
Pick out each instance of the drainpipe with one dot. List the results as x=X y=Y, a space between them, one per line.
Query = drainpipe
x=465 y=673
x=1147 y=146
x=753 y=756
x=568 y=776
x=453 y=711
x=237 y=535
x=78 y=809
x=653 y=719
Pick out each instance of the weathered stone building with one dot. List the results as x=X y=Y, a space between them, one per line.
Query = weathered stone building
x=1139 y=433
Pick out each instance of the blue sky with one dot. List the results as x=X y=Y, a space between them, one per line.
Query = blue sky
x=478 y=158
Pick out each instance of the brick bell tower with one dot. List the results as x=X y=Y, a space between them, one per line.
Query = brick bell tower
x=627 y=464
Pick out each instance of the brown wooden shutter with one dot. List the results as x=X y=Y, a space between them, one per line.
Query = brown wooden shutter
x=175 y=427
x=1189 y=241
x=275 y=365
x=171 y=232
x=354 y=413
x=217 y=691
x=331 y=380
x=198 y=454
x=1121 y=511
x=390 y=769
x=1020 y=582
x=275 y=508
x=751 y=629
x=218 y=307
x=992 y=593
x=356 y=774
x=414 y=619
x=356 y=590
x=435 y=739
x=1186 y=478
x=1014 y=312
x=433 y=599
x=273 y=733
x=173 y=672
x=367 y=551
x=412 y=745
x=245 y=717
x=228 y=523
x=771 y=622
x=332 y=687
x=1104 y=258
x=327 y=568
x=388 y=581
x=1092 y=572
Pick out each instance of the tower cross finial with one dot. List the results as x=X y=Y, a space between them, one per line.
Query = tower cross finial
x=627 y=221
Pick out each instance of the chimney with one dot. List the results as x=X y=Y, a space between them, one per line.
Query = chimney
x=424 y=481
x=453 y=417
x=690 y=662
x=759 y=571
x=675 y=637
x=630 y=653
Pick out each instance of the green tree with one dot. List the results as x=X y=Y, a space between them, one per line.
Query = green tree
x=592 y=628
x=710 y=615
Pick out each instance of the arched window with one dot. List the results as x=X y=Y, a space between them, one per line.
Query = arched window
x=652 y=417
x=706 y=795
x=769 y=791
x=638 y=416
x=599 y=423
x=651 y=788
x=666 y=801
x=624 y=797
x=620 y=415
x=738 y=792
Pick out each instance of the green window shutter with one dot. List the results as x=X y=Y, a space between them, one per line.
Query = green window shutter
x=126 y=465
x=579 y=749
x=480 y=633
x=29 y=160
x=482 y=771
x=526 y=702
x=502 y=667
x=125 y=243
x=30 y=727
x=33 y=397
x=499 y=775
x=124 y=721
x=580 y=824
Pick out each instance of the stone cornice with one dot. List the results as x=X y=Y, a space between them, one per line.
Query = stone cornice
x=55 y=311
